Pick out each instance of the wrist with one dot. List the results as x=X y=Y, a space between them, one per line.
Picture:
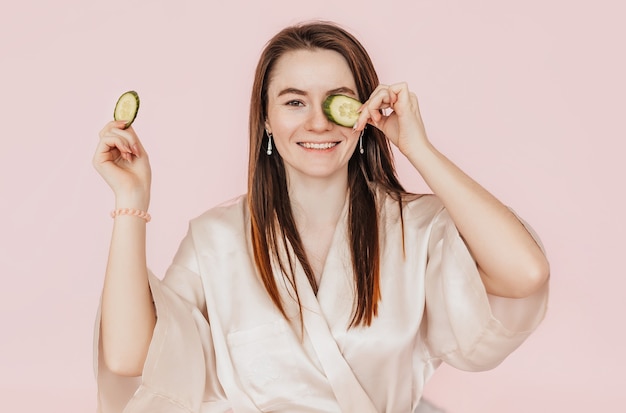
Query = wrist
x=417 y=154
x=136 y=200
x=131 y=212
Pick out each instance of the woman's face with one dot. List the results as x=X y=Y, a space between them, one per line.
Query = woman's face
x=311 y=146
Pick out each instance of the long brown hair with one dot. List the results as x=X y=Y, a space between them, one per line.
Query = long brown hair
x=273 y=224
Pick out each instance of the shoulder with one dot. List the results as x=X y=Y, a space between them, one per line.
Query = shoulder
x=416 y=208
x=224 y=209
x=229 y=217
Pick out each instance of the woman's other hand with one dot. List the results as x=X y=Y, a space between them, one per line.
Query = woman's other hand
x=400 y=119
x=123 y=163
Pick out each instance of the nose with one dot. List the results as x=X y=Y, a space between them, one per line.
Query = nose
x=317 y=120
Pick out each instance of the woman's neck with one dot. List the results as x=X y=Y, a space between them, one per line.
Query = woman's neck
x=316 y=201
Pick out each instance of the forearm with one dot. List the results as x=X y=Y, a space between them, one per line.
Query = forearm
x=128 y=315
x=510 y=262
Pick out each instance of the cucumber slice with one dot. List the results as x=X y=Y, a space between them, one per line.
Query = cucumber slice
x=341 y=109
x=127 y=107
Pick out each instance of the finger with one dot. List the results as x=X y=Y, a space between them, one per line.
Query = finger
x=112 y=139
x=414 y=103
x=114 y=124
x=129 y=136
x=367 y=116
x=400 y=95
x=110 y=145
x=371 y=110
x=381 y=98
x=133 y=140
x=135 y=145
x=407 y=100
x=99 y=160
x=112 y=155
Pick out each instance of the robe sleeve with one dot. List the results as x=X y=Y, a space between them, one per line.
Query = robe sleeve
x=174 y=377
x=467 y=327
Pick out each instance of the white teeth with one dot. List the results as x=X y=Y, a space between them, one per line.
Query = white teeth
x=325 y=145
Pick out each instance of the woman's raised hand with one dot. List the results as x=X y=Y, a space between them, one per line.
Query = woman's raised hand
x=123 y=163
x=400 y=121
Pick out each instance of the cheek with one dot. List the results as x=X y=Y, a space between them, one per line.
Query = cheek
x=352 y=139
x=284 y=125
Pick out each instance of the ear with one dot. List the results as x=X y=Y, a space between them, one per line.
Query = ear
x=267 y=127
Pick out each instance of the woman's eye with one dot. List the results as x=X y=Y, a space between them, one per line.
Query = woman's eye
x=295 y=103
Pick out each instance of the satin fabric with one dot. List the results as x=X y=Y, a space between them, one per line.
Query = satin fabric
x=221 y=345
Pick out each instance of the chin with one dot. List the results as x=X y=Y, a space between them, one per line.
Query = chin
x=319 y=172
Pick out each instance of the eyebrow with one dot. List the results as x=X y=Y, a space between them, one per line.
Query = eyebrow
x=339 y=90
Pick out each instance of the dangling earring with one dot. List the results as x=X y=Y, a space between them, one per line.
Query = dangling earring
x=361 y=142
x=269 y=143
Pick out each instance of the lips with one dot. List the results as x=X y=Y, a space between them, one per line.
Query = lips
x=318 y=146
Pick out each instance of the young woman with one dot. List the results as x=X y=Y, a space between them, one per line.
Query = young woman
x=327 y=287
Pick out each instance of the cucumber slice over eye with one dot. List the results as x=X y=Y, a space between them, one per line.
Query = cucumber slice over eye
x=127 y=107
x=341 y=109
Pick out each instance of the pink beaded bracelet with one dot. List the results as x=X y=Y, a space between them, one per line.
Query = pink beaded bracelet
x=130 y=211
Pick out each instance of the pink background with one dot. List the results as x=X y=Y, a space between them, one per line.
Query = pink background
x=527 y=97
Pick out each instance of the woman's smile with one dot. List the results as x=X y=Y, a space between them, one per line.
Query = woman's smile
x=318 y=146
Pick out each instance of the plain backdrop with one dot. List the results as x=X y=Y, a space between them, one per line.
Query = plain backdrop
x=527 y=97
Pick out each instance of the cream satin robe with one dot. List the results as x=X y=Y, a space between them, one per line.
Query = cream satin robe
x=220 y=343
